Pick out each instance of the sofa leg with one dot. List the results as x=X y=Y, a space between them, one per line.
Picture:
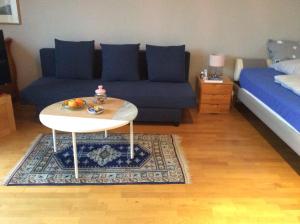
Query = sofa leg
x=176 y=124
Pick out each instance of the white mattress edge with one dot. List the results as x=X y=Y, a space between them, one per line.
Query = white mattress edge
x=271 y=111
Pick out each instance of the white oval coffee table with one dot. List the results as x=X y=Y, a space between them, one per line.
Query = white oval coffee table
x=117 y=113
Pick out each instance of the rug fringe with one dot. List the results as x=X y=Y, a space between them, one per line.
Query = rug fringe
x=181 y=156
x=16 y=167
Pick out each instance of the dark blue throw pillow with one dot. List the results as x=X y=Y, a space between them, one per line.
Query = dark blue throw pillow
x=74 y=60
x=166 y=64
x=120 y=62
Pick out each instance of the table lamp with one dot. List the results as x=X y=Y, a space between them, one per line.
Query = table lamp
x=216 y=62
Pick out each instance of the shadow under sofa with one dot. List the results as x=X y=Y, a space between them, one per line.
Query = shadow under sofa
x=156 y=101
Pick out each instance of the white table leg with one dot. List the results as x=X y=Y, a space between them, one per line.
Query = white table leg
x=105 y=133
x=54 y=139
x=75 y=154
x=131 y=140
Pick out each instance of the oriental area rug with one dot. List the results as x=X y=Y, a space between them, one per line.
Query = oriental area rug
x=102 y=161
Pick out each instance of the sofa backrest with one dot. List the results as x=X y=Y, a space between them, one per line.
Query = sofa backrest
x=47 y=56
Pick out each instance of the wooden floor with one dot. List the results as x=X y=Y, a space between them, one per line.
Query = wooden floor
x=237 y=177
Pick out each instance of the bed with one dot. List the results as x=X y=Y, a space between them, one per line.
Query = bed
x=276 y=106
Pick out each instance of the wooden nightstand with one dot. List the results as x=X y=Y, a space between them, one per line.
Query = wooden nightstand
x=7 y=119
x=215 y=97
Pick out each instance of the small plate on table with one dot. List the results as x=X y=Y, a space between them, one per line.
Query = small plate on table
x=95 y=109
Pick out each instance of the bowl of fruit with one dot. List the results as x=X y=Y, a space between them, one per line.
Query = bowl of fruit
x=74 y=104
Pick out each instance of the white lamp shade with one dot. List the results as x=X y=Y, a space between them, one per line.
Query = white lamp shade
x=216 y=60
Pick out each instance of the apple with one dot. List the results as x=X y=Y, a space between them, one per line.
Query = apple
x=72 y=103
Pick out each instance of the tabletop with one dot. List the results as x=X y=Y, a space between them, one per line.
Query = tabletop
x=117 y=113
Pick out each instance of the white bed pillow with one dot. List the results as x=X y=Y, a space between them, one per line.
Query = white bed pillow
x=288 y=67
x=291 y=82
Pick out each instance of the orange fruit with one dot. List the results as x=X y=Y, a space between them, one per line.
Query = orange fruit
x=79 y=102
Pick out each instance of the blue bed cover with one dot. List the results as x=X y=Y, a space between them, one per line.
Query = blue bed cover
x=260 y=82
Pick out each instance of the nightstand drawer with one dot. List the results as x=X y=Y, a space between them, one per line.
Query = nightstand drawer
x=214 y=108
x=215 y=99
x=216 y=89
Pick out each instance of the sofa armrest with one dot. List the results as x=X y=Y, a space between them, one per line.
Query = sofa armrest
x=47 y=57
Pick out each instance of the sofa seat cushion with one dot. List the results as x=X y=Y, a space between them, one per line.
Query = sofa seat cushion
x=144 y=93
x=48 y=90
x=149 y=94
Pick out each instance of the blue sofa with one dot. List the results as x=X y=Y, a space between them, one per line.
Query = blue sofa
x=156 y=101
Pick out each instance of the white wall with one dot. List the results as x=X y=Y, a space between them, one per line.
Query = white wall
x=233 y=27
